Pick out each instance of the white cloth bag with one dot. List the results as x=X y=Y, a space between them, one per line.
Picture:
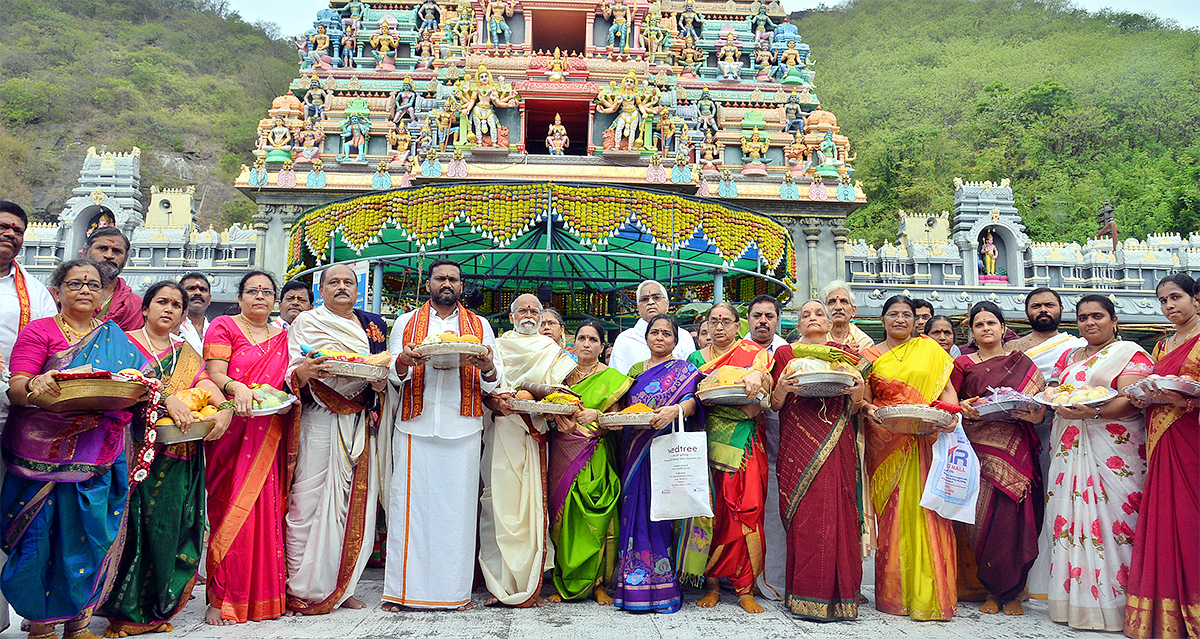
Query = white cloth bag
x=679 y=475
x=952 y=487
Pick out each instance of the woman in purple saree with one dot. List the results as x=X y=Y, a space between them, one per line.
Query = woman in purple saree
x=645 y=578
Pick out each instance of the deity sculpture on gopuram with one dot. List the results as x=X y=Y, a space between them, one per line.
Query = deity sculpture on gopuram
x=632 y=103
x=497 y=26
x=402 y=105
x=385 y=43
x=556 y=137
x=754 y=152
x=729 y=56
x=621 y=16
x=309 y=141
x=481 y=98
x=689 y=21
x=356 y=131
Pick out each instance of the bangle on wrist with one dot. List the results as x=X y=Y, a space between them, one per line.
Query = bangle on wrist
x=225 y=386
x=225 y=405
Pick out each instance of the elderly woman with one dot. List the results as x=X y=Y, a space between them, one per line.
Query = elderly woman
x=941 y=329
x=68 y=478
x=247 y=469
x=1094 y=487
x=645 y=578
x=818 y=476
x=738 y=463
x=166 y=517
x=1164 y=583
x=915 y=570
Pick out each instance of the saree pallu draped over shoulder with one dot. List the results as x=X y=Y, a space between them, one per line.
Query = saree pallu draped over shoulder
x=585 y=491
x=915 y=566
x=64 y=500
x=165 y=537
x=247 y=477
x=1163 y=599
x=645 y=577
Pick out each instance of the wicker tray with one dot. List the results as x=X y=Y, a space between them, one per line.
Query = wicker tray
x=369 y=372
x=1004 y=409
x=631 y=420
x=170 y=433
x=262 y=412
x=542 y=408
x=91 y=394
x=829 y=384
x=1041 y=397
x=913 y=419
x=731 y=395
x=445 y=355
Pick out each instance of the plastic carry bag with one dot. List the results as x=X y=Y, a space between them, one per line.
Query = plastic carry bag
x=679 y=475
x=952 y=487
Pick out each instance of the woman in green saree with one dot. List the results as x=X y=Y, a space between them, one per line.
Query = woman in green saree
x=157 y=570
x=584 y=483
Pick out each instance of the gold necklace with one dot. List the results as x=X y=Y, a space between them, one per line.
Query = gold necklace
x=578 y=375
x=164 y=376
x=1179 y=340
x=69 y=331
x=250 y=333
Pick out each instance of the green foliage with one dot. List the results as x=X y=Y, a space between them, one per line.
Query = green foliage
x=24 y=101
x=1072 y=107
x=240 y=211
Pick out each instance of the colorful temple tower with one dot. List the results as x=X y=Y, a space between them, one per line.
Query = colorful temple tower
x=571 y=147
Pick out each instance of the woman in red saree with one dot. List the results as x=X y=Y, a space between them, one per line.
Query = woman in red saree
x=915 y=570
x=247 y=471
x=1163 y=595
x=738 y=463
x=1008 y=513
x=818 y=478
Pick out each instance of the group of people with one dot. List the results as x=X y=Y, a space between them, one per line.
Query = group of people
x=432 y=465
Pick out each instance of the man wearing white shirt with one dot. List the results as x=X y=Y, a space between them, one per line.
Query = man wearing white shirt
x=763 y=317
x=294 y=299
x=434 y=498
x=195 y=323
x=842 y=309
x=22 y=298
x=630 y=346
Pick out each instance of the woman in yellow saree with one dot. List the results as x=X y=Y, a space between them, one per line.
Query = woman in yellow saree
x=915 y=571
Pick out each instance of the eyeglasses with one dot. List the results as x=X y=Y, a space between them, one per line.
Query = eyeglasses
x=722 y=323
x=75 y=285
x=653 y=297
x=258 y=292
x=897 y=315
x=550 y=323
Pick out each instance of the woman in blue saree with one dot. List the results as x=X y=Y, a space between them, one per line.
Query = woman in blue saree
x=645 y=578
x=63 y=501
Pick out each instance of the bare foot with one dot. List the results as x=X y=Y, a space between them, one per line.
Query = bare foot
x=289 y=613
x=353 y=603
x=1014 y=608
x=391 y=607
x=602 y=596
x=201 y=580
x=990 y=607
x=164 y=627
x=212 y=617
x=470 y=605
x=862 y=599
x=113 y=632
x=709 y=599
x=555 y=598
x=491 y=601
x=538 y=602
x=750 y=605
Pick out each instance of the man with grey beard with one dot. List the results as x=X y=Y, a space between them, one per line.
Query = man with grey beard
x=842 y=308
x=514 y=548
x=109 y=247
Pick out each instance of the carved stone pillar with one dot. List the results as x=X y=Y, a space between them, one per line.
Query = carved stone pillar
x=812 y=235
x=839 y=242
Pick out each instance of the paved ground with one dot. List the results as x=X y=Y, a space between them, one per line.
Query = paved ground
x=585 y=620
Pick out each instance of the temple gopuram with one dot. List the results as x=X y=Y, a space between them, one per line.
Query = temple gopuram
x=568 y=147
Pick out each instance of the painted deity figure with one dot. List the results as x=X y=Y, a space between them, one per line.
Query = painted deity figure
x=631 y=105
x=664 y=136
x=352 y=13
x=318 y=48
x=447 y=123
x=385 y=42
x=309 y=141
x=483 y=97
x=762 y=25
x=988 y=252
x=425 y=50
x=796 y=153
x=764 y=60
x=706 y=109
x=349 y=46
x=495 y=14
x=464 y=29
x=425 y=139
x=618 y=33
x=689 y=21
x=729 y=58
x=429 y=16
x=556 y=137
x=790 y=58
x=279 y=141
x=823 y=162
x=356 y=132
x=403 y=102
x=793 y=115
x=314 y=100
x=690 y=57
x=754 y=148
x=656 y=38
x=556 y=69
x=400 y=141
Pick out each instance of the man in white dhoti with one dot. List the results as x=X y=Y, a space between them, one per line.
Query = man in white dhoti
x=630 y=346
x=433 y=500
x=334 y=496
x=514 y=542
x=22 y=298
x=842 y=309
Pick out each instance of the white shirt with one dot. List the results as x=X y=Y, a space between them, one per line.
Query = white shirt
x=630 y=347
x=187 y=330
x=1046 y=354
x=41 y=305
x=441 y=411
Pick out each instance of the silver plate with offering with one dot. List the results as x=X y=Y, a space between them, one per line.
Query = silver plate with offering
x=913 y=419
x=731 y=395
x=359 y=370
x=170 y=433
x=631 y=420
x=828 y=384
x=444 y=355
x=542 y=408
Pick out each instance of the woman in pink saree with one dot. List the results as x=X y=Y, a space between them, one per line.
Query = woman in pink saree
x=248 y=469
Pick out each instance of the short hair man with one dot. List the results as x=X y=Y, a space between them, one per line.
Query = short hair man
x=432 y=512
x=195 y=321
x=109 y=246
x=923 y=313
x=295 y=298
x=1045 y=343
x=630 y=346
x=842 y=309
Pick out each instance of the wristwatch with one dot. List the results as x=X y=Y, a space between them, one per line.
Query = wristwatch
x=1097 y=412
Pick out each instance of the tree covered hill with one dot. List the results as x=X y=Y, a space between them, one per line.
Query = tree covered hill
x=1073 y=107
x=186 y=80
